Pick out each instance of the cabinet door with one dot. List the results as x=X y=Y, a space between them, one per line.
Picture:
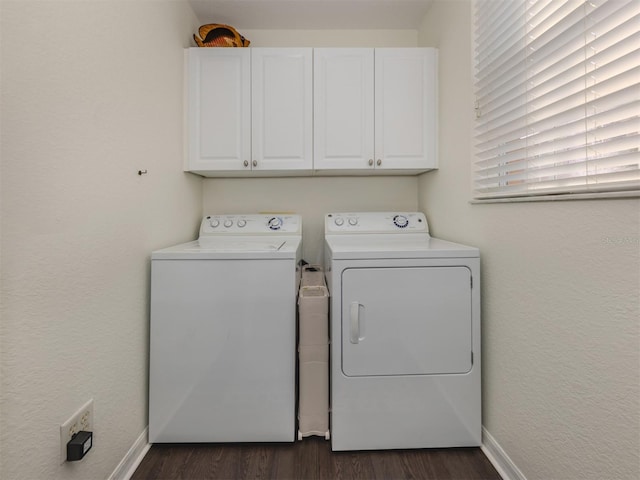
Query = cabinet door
x=406 y=108
x=343 y=108
x=282 y=102
x=219 y=109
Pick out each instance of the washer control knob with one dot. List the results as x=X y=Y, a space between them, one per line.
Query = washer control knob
x=339 y=221
x=214 y=222
x=353 y=221
x=400 y=221
x=274 y=223
x=242 y=223
x=228 y=223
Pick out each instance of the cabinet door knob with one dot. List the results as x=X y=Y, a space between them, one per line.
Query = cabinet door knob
x=246 y=163
x=255 y=163
x=379 y=162
x=370 y=161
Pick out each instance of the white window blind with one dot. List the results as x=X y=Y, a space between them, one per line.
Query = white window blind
x=557 y=97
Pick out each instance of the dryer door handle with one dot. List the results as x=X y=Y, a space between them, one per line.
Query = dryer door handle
x=355 y=329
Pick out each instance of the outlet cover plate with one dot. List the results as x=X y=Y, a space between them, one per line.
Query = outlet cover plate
x=81 y=420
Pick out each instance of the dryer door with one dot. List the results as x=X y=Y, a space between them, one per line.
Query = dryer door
x=406 y=321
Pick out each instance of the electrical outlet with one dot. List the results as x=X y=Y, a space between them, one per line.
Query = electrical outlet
x=81 y=420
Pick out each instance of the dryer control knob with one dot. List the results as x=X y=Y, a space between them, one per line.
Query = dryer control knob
x=339 y=221
x=242 y=223
x=353 y=221
x=228 y=223
x=214 y=222
x=274 y=223
x=400 y=221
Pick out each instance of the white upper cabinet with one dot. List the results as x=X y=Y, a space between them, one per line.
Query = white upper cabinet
x=406 y=108
x=303 y=111
x=218 y=109
x=282 y=108
x=249 y=111
x=343 y=108
x=375 y=110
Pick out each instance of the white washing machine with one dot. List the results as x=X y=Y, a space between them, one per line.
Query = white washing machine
x=223 y=332
x=405 y=334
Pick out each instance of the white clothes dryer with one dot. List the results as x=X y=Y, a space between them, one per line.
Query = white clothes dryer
x=405 y=334
x=223 y=332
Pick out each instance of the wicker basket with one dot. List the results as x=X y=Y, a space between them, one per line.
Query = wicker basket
x=219 y=35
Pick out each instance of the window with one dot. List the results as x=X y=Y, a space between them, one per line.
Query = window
x=557 y=97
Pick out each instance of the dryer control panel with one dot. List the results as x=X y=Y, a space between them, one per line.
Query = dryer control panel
x=375 y=222
x=251 y=224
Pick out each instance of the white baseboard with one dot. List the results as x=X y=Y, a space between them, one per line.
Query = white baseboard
x=499 y=459
x=132 y=459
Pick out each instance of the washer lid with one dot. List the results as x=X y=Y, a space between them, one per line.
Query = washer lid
x=396 y=246
x=233 y=247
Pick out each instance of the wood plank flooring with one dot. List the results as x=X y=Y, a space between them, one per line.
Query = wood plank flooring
x=311 y=459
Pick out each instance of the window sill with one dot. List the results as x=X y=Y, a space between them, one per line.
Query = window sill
x=560 y=197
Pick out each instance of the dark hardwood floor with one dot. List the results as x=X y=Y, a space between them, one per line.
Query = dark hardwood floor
x=310 y=459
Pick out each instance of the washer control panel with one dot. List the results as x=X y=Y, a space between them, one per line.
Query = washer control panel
x=251 y=224
x=375 y=222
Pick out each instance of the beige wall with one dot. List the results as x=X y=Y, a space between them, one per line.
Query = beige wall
x=313 y=197
x=91 y=93
x=331 y=38
x=561 y=283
